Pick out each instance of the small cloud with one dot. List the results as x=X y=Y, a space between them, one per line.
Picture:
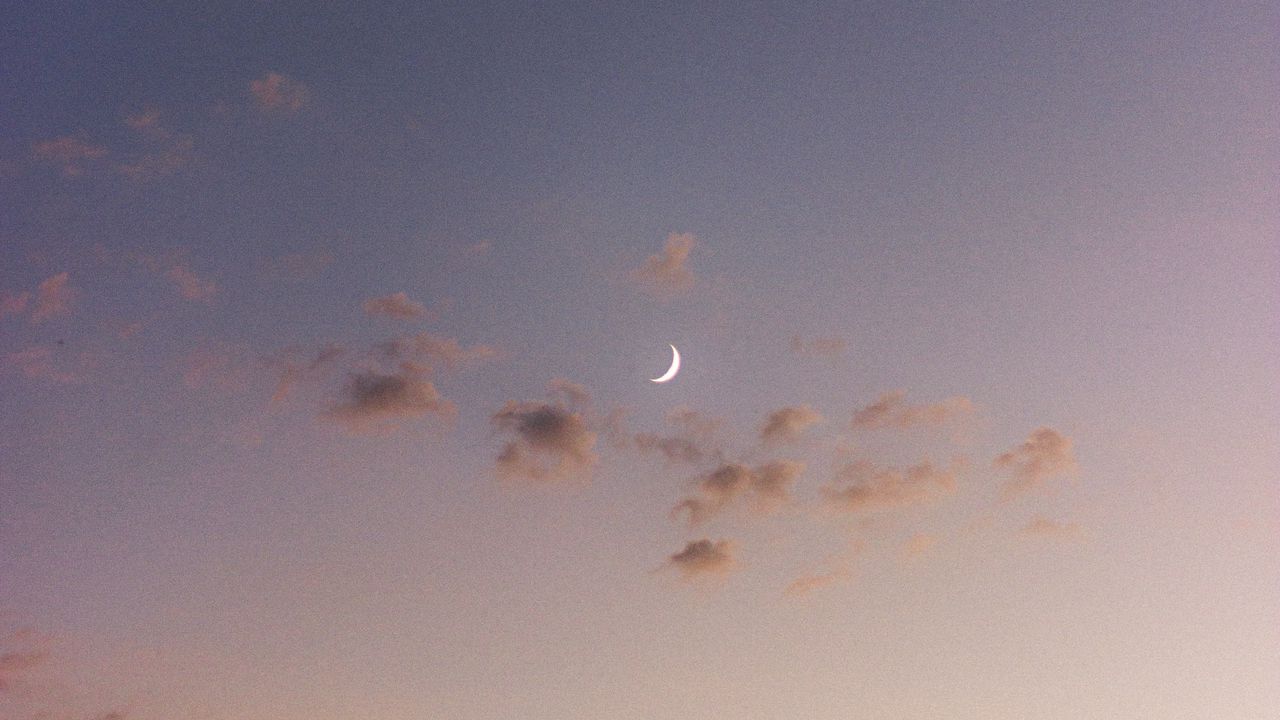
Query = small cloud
x=296 y=266
x=1044 y=454
x=692 y=441
x=54 y=297
x=20 y=651
x=806 y=584
x=222 y=366
x=1042 y=527
x=275 y=92
x=190 y=285
x=294 y=367
x=69 y=151
x=374 y=400
x=701 y=558
x=145 y=120
x=665 y=274
x=13 y=303
x=552 y=442
x=173 y=267
x=38 y=362
x=397 y=306
x=427 y=348
x=768 y=485
x=868 y=487
x=891 y=411
x=788 y=423
x=478 y=249
x=917 y=545
x=827 y=348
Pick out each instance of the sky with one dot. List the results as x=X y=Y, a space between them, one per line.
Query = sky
x=327 y=331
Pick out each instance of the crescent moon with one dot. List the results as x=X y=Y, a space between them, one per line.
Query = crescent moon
x=671 y=371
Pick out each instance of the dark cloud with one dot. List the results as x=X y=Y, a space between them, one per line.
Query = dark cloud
x=704 y=557
x=1044 y=454
x=768 y=486
x=552 y=442
x=891 y=411
x=376 y=400
x=665 y=274
x=862 y=486
x=788 y=423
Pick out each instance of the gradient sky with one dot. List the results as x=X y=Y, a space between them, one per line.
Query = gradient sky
x=325 y=336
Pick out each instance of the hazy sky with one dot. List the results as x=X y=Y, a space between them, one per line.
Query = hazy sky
x=325 y=337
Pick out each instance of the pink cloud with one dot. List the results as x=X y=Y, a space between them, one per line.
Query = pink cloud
x=891 y=411
x=69 y=151
x=1044 y=454
x=665 y=274
x=867 y=487
x=13 y=303
x=274 y=91
x=397 y=306
x=54 y=297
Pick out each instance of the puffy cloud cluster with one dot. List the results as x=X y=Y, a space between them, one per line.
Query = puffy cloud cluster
x=666 y=273
x=768 y=486
x=692 y=441
x=376 y=400
x=1044 y=454
x=552 y=441
x=863 y=486
x=788 y=423
x=892 y=411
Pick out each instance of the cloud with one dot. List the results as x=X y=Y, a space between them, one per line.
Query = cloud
x=917 y=545
x=551 y=443
x=69 y=151
x=373 y=400
x=164 y=151
x=276 y=92
x=427 y=348
x=701 y=558
x=1045 y=528
x=1044 y=454
x=218 y=365
x=788 y=423
x=828 y=348
x=13 y=303
x=173 y=268
x=396 y=305
x=891 y=411
x=295 y=368
x=190 y=285
x=694 y=435
x=809 y=582
x=54 y=297
x=38 y=363
x=665 y=274
x=20 y=651
x=768 y=486
x=296 y=266
x=869 y=487
x=145 y=120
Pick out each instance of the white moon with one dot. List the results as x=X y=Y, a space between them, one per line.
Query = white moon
x=671 y=371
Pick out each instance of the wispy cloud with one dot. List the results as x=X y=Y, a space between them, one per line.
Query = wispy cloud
x=788 y=424
x=892 y=411
x=827 y=348
x=863 y=486
x=397 y=306
x=295 y=366
x=13 y=303
x=173 y=267
x=1044 y=454
x=1041 y=527
x=693 y=439
x=666 y=273
x=70 y=152
x=434 y=350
